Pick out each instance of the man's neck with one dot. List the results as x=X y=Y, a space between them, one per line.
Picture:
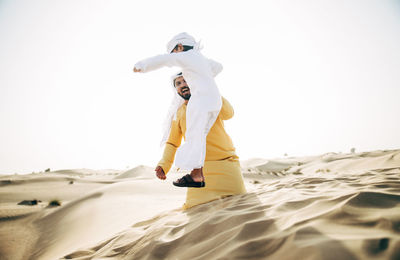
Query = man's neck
x=186 y=102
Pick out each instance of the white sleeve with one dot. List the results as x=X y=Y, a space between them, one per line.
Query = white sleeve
x=163 y=60
x=216 y=67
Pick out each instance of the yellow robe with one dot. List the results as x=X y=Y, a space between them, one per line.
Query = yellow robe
x=221 y=167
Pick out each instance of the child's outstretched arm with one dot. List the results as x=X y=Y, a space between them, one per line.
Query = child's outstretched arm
x=163 y=60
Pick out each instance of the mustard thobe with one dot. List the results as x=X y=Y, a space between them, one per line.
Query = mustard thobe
x=221 y=167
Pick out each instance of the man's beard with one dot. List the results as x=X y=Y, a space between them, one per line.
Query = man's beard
x=186 y=93
x=185 y=96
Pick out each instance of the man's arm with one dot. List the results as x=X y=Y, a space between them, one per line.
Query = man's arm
x=174 y=141
x=226 y=110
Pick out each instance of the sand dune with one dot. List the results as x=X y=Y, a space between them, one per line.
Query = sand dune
x=92 y=210
x=333 y=206
x=142 y=172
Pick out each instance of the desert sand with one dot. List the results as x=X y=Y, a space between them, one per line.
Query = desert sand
x=331 y=206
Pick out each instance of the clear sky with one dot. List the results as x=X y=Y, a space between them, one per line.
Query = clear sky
x=304 y=77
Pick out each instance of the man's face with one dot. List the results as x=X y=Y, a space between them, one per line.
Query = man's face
x=182 y=88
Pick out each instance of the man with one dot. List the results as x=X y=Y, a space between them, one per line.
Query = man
x=202 y=110
x=221 y=168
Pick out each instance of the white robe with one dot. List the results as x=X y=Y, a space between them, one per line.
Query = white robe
x=204 y=104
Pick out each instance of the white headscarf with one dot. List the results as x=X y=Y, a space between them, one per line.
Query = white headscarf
x=184 y=39
x=177 y=102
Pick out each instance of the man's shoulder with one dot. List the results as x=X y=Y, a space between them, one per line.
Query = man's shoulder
x=181 y=112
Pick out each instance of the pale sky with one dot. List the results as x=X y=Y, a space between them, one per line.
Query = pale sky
x=304 y=77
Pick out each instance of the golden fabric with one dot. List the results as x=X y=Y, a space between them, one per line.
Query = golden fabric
x=221 y=167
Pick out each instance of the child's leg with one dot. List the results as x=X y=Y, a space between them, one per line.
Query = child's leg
x=191 y=155
x=197 y=174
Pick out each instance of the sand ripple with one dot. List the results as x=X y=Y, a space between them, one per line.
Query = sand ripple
x=333 y=206
x=330 y=216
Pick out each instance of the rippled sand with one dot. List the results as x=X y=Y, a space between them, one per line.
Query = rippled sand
x=333 y=206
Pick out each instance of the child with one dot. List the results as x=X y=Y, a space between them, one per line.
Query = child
x=203 y=107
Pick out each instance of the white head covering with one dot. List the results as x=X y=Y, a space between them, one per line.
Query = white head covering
x=177 y=102
x=184 y=39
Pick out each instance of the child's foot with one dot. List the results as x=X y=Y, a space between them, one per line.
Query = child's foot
x=197 y=175
x=187 y=181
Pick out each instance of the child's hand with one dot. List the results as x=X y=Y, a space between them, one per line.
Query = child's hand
x=160 y=173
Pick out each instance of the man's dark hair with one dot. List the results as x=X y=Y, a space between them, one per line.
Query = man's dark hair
x=180 y=74
x=185 y=47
